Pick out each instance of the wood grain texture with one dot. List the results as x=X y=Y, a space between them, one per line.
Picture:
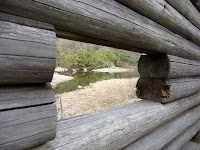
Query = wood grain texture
x=24 y=21
x=118 y=127
x=107 y=20
x=167 y=66
x=27 y=127
x=187 y=9
x=191 y=146
x=22 y=69
x=163 y=13
x=157 y=139
x=179 y=142
x=164 y=91
x=196 y=3
x=12 y=96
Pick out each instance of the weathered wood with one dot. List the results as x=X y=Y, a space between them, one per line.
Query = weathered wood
x=107 y=20
x=163 y=13
x=184 y=137
x=167 y=66
x=187 y=9
x=157 y=139
x=196 y=138
x=161 y=90
x=196 y=3
x=34 y=125
x=12 y=96
x=118 y=127
x=25 y=21
x=191 y=146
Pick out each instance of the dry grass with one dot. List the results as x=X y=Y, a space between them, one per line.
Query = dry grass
x=98 y=96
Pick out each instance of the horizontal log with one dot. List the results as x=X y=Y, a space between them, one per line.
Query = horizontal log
x=22 y=69
x=161 y=90
x=24 y=21
x=187 y=9
x=167 y=66
x=35 y=125
x=191 y=146
x=118 y=127
x=157 y=139
x=12 y=96
x=184 y=137
x=163 y=13
x=107 y=20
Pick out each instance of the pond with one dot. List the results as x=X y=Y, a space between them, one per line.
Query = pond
x=85 y=78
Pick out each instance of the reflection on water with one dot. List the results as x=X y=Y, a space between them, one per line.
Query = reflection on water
x=85 y=78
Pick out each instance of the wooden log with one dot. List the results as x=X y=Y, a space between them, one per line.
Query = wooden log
x=13 y=96
x=163 y=13
x=27 y=54
x=196 y=3
x=187 y=9
x=184 y=137
x=191 y=146
x=196 y=138
x=107 y=20
x=157 y=139
x=163 y=91
x=27 y=127
x=167 y=66
x=118 y=127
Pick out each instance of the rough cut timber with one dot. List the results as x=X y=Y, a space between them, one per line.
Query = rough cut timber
x=27 y=127
x=179 y=142
x=167 y=66
x=116 y=128
x=163 y=13
x=157 y=139
x=187 y=9
x=18 y=96
x=161 y=90
x=107 y=20
x=27 y=54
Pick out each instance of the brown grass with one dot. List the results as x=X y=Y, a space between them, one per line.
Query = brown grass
x=98 y=96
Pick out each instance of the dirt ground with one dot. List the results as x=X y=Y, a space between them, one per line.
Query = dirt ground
x=97 y=96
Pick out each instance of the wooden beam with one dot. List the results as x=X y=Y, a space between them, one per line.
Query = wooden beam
x=187 y=9
x=27 y=127
x=158 y=138
x=196 y=3
x=106 y=20
x=163 y=13
x=164 y=91
x=191 y=146
x=184 y=137
x=18 y=96
x=118 y=127
x=167 y=66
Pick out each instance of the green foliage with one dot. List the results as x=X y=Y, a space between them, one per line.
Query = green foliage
x=93 y=56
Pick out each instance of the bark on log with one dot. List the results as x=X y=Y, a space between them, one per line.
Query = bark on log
x=157 y=139
x=163 y=13
x=12 y=96
x=187 y=9
x=179 y=142
x=27 y=54
x=163 y=91
x=27 y=127
x=107 y=20
x=118 y=127
x=167 y=66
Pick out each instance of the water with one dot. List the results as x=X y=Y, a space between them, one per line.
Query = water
x=85 y=78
